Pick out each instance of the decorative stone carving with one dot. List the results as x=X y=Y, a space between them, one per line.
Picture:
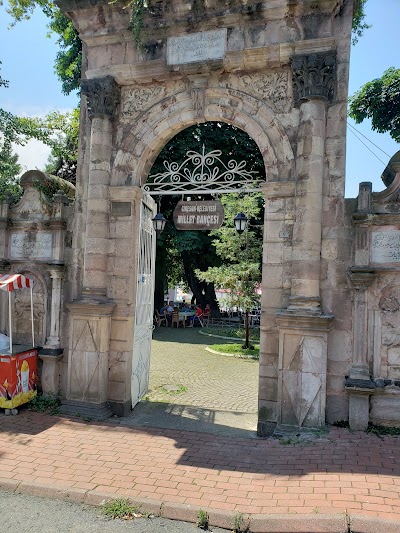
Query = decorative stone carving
x=314 y=75
x=103 y=96
x=198 y=98
x=271 y=87
x=389 y=305
x=137 y=100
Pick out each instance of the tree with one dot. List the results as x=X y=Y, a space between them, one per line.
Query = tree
x=186 y=251
x=64 y=153
x=379 y=100
x=359 y=24
x=241 y=255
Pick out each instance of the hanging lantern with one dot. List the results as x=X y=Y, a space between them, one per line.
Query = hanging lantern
x=159 y=223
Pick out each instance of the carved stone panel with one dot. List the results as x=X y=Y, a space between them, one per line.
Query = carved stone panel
x=303 y=379
x=135 y=101
x=389 y=305
x=32 y=245
x=272 y=88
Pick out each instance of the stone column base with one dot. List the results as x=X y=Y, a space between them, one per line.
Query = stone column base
x=51 y=371
x=121 y=408
x=359 y=392
x=302 y=368
x=86 y=409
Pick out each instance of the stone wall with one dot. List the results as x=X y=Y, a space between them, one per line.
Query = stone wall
x=34 y=241
x=277 y=70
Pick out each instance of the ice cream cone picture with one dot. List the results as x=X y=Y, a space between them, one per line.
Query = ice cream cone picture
x=5 y=385
x=25 y=376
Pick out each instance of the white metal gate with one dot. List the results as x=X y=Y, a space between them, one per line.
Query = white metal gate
x=144 y=301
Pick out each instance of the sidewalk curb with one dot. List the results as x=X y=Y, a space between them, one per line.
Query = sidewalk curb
x=259 y=523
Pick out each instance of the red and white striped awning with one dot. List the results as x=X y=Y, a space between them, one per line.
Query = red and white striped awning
x=11 y=282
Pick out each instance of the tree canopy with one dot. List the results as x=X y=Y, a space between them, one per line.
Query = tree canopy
x=379 y=100
x=180 y=253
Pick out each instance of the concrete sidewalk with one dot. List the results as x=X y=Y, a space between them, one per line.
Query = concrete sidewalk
x=340 y=481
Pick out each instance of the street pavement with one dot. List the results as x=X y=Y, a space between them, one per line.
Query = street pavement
x=320 y=482
x=21 y=513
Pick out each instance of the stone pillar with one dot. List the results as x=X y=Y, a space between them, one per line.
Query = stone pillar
x=51 y=353
x=278 y=225
x=53 y=340
x=313 y=82
x=359 y=384
x=103 y=97
x=90 y=316
x=303 y=327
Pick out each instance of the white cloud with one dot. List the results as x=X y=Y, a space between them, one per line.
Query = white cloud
x=33 y=155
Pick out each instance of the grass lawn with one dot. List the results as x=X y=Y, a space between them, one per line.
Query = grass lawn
x=237 y=350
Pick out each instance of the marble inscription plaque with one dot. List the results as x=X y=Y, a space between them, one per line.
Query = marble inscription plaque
x=31 y=246
x=385 y=246
x=200 y=46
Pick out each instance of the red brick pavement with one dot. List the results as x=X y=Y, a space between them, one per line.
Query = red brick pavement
x=341 y=472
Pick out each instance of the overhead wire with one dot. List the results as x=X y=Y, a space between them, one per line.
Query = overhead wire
x=362 y=142
x=369 y=140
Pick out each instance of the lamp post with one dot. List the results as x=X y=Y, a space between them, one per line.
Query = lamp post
x=240 y=221
x=159 y=223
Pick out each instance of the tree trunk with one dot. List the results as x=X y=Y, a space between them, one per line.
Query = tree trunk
x=203 y=292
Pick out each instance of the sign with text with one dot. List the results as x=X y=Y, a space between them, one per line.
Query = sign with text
x=198 y=215
x=385 y=246
x=202 y=46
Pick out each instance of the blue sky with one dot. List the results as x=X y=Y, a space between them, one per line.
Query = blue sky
x=27 y=57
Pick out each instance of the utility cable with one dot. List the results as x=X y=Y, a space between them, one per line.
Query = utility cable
x=368 y=148
x=365 y=137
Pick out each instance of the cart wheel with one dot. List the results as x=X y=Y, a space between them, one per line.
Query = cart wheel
x=14 y=411
x=7 y=412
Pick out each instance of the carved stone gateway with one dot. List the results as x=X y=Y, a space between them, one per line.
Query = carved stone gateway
x=279 y=73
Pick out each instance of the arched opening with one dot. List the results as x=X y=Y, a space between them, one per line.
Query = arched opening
x=195 y=378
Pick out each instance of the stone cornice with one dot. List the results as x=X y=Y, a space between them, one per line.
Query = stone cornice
x=376 y=219
x=125 y=193
x=83 y=308
x=361 y=279
x=278 y=189
x=247 y=60
x=303 y=321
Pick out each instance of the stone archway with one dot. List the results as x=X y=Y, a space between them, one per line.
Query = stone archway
x=287 y=89
x=159 y=123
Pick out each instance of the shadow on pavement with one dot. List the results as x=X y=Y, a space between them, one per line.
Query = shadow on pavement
x=190 y=418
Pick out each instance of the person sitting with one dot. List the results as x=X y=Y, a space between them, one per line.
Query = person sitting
x=197 y=316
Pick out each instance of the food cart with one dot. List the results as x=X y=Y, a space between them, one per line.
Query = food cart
x=18 y=364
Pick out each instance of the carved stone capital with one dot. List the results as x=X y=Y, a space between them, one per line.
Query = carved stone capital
x=361 y=280
x=103 y=96
x=314 y=76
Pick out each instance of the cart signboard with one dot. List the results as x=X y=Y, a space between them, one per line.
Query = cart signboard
x=17 y=378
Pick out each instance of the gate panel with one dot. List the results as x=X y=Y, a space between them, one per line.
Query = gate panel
x=144 y=301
